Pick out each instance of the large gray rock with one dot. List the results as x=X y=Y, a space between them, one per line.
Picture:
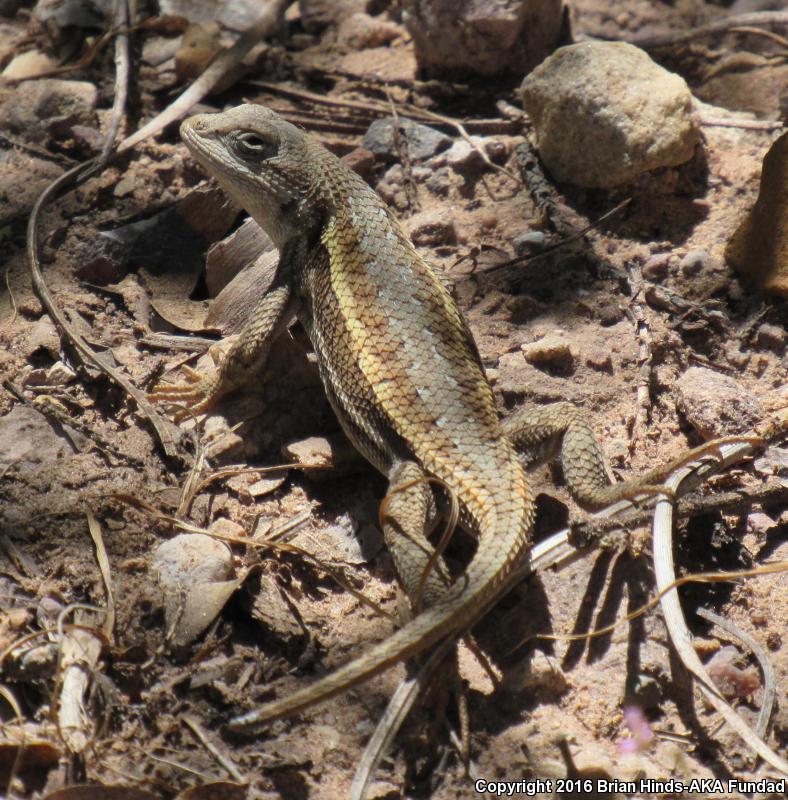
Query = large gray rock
x=483 y=37
x=49 y=105
x=605 y=113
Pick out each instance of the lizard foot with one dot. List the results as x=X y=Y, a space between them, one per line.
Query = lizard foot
x=195 y=395
x=652 y=485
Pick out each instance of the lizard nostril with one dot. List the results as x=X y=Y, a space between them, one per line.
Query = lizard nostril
x=196 y=123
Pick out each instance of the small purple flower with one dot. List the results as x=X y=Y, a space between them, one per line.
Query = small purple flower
x=641 y=733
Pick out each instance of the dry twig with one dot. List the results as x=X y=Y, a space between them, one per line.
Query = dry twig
x=638 y=318
x=223 y=760
x=680 y=635
x=759 y=651
x=718 y=26
x=264 y=26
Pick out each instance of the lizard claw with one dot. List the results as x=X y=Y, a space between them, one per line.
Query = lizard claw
x=194 y=395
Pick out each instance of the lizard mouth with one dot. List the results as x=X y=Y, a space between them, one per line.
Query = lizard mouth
x=203 y=143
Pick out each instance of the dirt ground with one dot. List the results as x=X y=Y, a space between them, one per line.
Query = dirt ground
x=289 y=620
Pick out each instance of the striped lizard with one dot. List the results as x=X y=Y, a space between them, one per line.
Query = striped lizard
x=401 y=371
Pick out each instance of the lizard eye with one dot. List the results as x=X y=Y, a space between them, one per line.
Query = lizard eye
x=250 y=144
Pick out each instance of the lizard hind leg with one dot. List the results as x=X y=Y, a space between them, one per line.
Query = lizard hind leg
x=422 y=572
x=539 y=433
x=542 y=429
x=404 y=512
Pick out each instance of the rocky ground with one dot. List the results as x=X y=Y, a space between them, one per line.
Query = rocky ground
x=642 y=321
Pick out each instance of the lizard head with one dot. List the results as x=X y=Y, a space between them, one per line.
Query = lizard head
x=266 y=164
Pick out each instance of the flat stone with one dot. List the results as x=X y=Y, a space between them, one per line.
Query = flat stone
x=29 y=439
x=422 y=142
x=315 y=451
x=715 y=404
x=28 y=65
x=49 y=105
x=553 y=352
x=605 y=113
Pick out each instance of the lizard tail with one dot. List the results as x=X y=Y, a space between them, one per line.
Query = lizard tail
x=505 y=530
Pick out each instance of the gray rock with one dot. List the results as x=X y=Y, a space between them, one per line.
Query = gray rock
x=656 y=267
x=74 y=13
x=421 y=141
x=27 y=438
x=529 y=242
x=49 y=105
x=361 y=31
x=484 y=37
x=195 y=573
x=605 y=113
x=463 y=158
x=191 y=558
x=716 y=405
x=695 y=261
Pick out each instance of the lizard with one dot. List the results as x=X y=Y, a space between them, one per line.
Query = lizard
x=402 y=373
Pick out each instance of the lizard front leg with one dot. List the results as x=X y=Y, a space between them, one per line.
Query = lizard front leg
x=200 y=391
x=536 y=431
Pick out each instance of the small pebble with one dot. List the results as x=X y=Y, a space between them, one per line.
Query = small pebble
x=694 y=262
x=432 y=228
x=551 y=352
x=313 y=451
x=526 y=243
x=770 y=337
x=656 y=267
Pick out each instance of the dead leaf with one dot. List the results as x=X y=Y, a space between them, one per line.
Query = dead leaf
x=35 y=755
x=230 y=310
x=234 y=253
x=83 y=792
